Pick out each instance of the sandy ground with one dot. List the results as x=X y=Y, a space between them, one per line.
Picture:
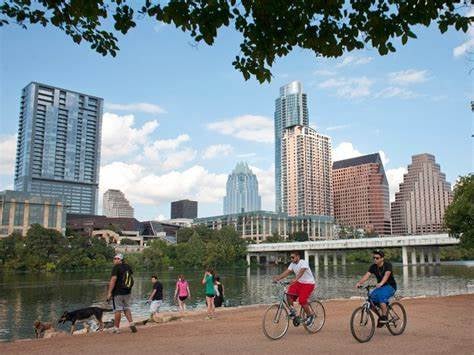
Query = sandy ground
x=435 y=326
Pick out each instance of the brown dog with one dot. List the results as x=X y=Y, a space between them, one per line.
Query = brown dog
x=41 y=327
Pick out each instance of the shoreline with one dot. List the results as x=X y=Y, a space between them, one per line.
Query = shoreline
x=188 y=326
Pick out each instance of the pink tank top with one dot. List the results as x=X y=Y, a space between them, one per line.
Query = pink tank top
x=182 y=288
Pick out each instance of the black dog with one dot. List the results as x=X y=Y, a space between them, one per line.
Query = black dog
x=83 y=315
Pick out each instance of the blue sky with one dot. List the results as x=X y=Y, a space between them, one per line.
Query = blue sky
x=178 y=117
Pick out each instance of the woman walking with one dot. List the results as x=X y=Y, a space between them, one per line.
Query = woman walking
x=219 y=287
x=208 y=282
x=182 y=292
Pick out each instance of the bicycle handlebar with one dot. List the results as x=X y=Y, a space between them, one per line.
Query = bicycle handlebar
x=368 y=287
x=284 y=283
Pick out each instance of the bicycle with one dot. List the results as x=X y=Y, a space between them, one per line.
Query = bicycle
x=276 y=318
x=363 y=321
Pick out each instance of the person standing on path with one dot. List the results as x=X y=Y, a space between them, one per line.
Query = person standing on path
x=208 y=282
x=219 y=287
x=120 y=287
x=156 y=296
x=182 y=292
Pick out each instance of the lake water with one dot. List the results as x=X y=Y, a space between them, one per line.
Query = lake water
x=27 y=297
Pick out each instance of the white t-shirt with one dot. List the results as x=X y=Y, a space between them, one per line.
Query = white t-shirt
x=307 y=277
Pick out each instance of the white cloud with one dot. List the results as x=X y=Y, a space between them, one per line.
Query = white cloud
x=408 y=77
x=351 y=60
x=395 y=177
x=393 y=91
x=165 y=155
x=246 y=155
x=120 y=137
x=170 y=144
x=217 y=150
x=266 y=186
x=344 y=150
x=136 y=107
x=246 y=127
x=338 y=127
x=468 y=45
x=145 y=187
x=160 y=217
x=7 y=154
x=349 y=87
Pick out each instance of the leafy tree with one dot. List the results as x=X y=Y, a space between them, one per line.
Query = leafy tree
x=299 y=236
x=269 y=29
x=184 y=234
x=459 y=216
x=275 y=238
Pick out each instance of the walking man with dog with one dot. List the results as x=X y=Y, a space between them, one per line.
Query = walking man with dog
x=120 y=288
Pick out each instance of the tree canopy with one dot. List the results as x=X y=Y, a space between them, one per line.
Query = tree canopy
x=269 y=28
x=459 y=216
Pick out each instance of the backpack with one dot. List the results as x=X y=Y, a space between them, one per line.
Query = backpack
x=127 y=279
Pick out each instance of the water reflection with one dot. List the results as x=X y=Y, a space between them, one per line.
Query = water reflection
x=24 y=298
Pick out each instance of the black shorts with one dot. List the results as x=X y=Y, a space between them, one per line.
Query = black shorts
x=211 y=296
x=182 y=298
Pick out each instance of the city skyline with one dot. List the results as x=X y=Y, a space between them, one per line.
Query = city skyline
x=176 y=142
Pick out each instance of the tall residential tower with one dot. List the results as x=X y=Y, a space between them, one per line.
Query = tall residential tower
x=290 y=109
x=306 y=172
x=58 y=148
x=242 y=191
x=424 y=194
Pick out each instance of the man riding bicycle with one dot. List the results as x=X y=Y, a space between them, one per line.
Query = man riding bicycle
x=301 y=286
x=386 y=285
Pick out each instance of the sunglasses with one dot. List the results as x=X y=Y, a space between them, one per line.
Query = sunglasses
x=117 y=259
x=377 y=257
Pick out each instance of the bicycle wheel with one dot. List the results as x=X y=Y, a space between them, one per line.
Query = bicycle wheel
x=397 y=318
x=362 y=324
x=319 y=317
x=275 y=321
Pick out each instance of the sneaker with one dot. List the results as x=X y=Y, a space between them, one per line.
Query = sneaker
x=382 y=321
x=133 y=328
x=116 y=330
x=292 y=313
x=309 y=321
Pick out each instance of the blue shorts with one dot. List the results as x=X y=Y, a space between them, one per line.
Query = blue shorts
x=382 y=294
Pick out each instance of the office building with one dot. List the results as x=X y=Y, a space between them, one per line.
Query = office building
x=184 y=209
x=58 y=148
x=306 y=172
x=361 y=194
x=19 y=210
x=116 y=205
x=290 y=109
x=257 y=226
x=242 y=191
x=424 y=194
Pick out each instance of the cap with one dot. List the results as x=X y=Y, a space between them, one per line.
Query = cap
x=378 y=252
x=118 y=256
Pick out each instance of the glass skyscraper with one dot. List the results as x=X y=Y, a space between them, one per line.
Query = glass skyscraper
x=242 y=191
x=290 y=109
x=58 y=148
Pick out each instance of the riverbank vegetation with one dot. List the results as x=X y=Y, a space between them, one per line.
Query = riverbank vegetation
x=47 y=250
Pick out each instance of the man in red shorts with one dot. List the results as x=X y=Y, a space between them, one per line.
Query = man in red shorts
x=302 y=285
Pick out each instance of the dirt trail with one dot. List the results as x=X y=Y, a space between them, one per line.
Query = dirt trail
x=435 y=326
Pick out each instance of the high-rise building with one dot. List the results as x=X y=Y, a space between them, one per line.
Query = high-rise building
x=58 y=148
x=361 y=194
x=116 y=205
x=290 y=109
x=424 y=194
x=184 y=209
x=242 y=191
x=306 y=172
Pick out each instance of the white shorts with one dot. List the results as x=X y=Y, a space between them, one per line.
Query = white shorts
x=155 y=306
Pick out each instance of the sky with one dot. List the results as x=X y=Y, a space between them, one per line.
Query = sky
x=178 y=117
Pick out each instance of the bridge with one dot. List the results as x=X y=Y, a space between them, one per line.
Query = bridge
x=422 y=248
